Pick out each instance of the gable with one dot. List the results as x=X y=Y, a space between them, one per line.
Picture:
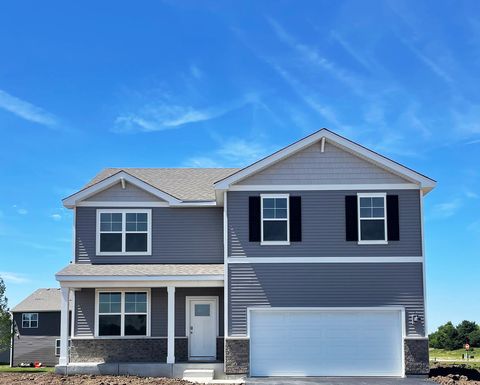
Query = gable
x=130 y=193
x=333 y=166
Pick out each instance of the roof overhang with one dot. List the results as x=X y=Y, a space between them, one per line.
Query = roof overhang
x=425 y=184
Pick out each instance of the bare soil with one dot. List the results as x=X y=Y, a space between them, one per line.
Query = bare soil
x=54 y=379
x=455 y=375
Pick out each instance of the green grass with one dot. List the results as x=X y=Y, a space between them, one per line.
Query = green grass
x=8 y=369
x=443 y=354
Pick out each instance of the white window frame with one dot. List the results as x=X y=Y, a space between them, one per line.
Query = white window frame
x=57 y=346
x=124 y=231
x=122 y=313
x=266 y=196
x=29 y=321
x=384 y=218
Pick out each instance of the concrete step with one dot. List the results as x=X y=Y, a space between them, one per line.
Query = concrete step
x=198 y=375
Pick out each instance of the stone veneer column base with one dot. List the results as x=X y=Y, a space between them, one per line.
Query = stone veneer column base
x=237 y=355
x=416 y=356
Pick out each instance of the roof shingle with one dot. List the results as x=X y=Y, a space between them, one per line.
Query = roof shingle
x=46 y=299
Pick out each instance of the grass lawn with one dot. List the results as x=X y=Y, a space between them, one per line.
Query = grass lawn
x=8 y=369
x=442 y=354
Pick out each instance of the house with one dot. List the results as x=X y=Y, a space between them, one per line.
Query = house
x=309 y=262
x=37 y=328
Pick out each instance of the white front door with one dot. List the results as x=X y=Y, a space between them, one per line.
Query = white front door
x=202 y=328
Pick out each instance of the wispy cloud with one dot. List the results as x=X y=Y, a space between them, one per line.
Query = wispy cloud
x=26 y=110
x=447 y=209
x=56 y=217
x=14 y=278
x=196 y=72
x=20 y=210
x=233 y=152
x=163 y=116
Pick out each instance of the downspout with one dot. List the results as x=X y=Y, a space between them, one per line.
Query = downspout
x=12 y=339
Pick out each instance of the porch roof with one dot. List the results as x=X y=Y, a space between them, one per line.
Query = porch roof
x=145 y=272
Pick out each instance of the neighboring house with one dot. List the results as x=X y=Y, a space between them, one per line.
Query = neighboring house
x=5 y=357
x=37 y=328
x=308 y=262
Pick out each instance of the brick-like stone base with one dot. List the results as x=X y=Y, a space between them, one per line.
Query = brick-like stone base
x=119 y=350
x=416 y=356
x=237 y=356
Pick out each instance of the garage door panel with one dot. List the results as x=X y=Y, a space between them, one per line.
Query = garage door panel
x=326 y=343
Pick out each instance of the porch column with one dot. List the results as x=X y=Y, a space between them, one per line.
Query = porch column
x=65 y=294
x=171 y=325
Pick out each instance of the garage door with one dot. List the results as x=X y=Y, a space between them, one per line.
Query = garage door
x=325 y=342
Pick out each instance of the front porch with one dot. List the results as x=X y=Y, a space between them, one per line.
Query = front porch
x=142 y=319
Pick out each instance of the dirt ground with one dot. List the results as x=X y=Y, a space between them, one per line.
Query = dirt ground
x=52 y=379
x=454 y=379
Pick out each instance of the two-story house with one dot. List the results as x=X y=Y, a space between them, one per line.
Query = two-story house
x=308 y=262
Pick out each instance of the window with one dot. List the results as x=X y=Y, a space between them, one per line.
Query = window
x=202 y=310
x=122 y=313
x=275 y=218
x=29 y=320
x=123 y=232
x=57 y=346
x=372 y=216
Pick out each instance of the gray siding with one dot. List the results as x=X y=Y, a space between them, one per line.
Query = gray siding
x=323 y=228
x=29 y=349
x=48 y=324
x=324 y=285
x=85 y=310
x=334 y=166
x=131 y=193
x=179 y=235
x=84 y=324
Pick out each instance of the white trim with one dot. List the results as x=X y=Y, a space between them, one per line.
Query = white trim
x=400 y=309
x=384 y=218
x=121 y=204
x=322 y=187
x=122 y=310
x=124 y=232
x=138 y=278
x=425 y=183
x=188 y=300
x=140 y=284
x=74 y=235
x=225 y=265
x=29 y=320
x=325 y=260
x=74 y=199
x=72 y=318
x=262 y=219
x=171 y=325
x=423 y=267
x=64 y=324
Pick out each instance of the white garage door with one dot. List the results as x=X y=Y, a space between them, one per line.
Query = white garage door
x=326 y=342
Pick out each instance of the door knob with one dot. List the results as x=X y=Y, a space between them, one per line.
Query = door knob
x=191 y=329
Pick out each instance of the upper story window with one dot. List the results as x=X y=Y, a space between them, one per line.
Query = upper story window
x=372 y=218
x=275 y=219
x=122 y=313
x=29 y=320
x=124 y=232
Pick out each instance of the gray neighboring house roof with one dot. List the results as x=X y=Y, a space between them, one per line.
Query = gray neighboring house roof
x=152 y=270
x=186 y=184
x=47 y=299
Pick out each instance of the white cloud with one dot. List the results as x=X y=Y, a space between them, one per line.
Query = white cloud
x=471 y=194
x=26 y=110
x=447 y=209
x=196 y=72
x=11 y=277
x=56 y=217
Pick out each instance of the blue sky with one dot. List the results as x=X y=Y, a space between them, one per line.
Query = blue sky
x=87 y=85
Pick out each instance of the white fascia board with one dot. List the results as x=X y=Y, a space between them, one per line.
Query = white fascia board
x=425 y=183
x=326 y=187
x=277 y=260
x=139 y=284
x=72 y=200
x=132 y=278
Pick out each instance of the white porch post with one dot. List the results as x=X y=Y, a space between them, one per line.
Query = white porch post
x=65 y=294
x=171 y=325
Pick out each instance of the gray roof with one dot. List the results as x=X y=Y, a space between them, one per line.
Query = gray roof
x=140 y=270
x=40 y=300
x=186 y=184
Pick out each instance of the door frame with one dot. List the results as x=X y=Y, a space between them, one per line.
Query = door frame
x=399 y=309
x=188 y=300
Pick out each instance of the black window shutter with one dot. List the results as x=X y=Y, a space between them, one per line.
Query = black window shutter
x=295 y=219
x=254 y=219
x=351 y=218
x=393 y=218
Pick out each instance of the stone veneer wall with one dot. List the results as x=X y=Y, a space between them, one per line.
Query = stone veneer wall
x=237 y=352
x=416 y=356
x=119 y=350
